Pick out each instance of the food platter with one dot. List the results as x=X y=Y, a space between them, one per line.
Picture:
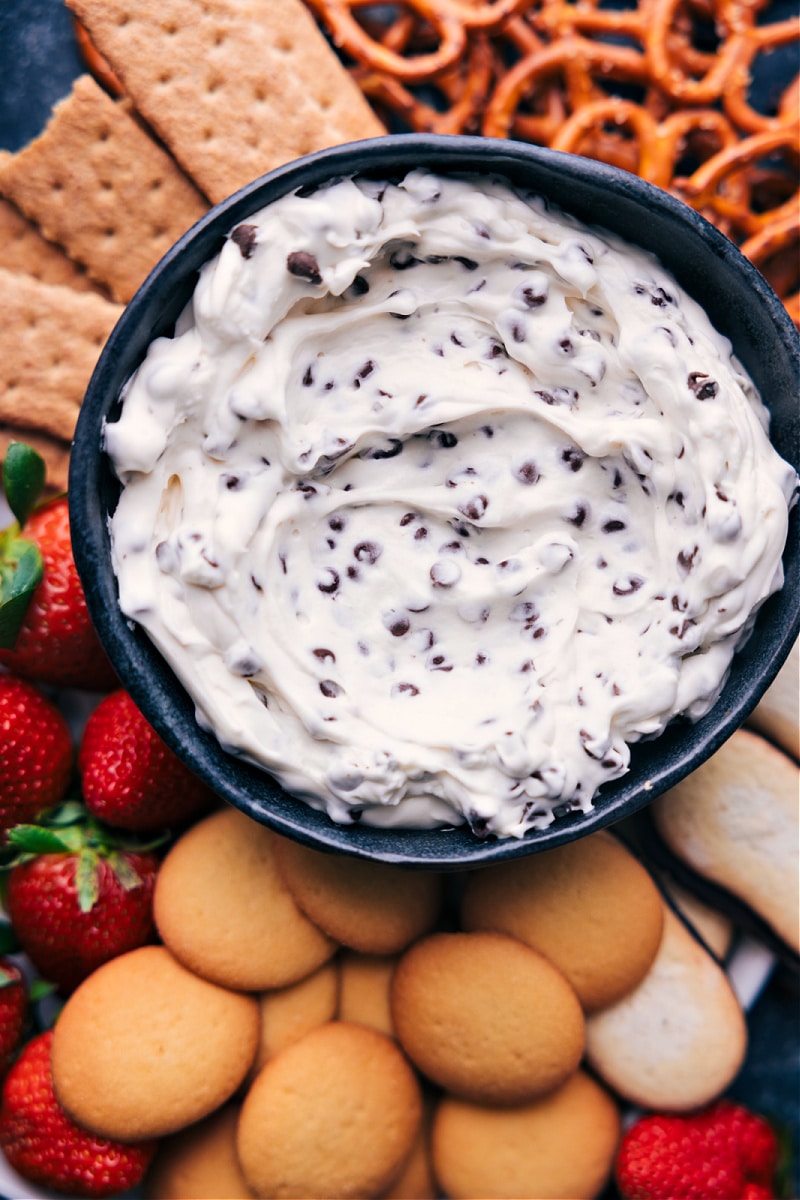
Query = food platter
x=38 y=60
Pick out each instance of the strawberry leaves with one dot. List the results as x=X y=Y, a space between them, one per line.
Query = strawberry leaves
x=70 y=830
x=21 y=564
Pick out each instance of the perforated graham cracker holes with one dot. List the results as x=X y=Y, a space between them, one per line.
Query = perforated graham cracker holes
x=226 y=113
x=99 y=211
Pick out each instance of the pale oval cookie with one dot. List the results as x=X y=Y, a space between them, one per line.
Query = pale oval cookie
x=289 y=1013
x=367 y=906
x=486 y=1017
x=560 y=1147
x=365 y=982
x=335 y=1114
x=679 y=1039
x=736 y=821
x=416 y=1180
x=222 y=908
x=144 y=1047
x=590 y=907
x=200 y=1163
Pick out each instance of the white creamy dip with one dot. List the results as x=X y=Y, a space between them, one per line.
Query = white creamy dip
x=436 y=500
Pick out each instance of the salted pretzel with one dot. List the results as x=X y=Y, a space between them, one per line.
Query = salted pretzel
x=761 y=39
x=462 y=91
x=723 y=186
x=776 y=253
x=577 y=61
x=354 y=39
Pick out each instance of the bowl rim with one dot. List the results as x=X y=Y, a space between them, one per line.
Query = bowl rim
x=152 y=683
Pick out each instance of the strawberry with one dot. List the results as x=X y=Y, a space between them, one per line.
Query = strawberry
x=724 y=1152
x=45 y=1145
x=46 y=633
x=36 y=755
x=130 y=778
x=77 y=895
x=13 y=1011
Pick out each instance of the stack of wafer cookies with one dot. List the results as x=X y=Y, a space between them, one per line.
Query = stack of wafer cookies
x=215 y=94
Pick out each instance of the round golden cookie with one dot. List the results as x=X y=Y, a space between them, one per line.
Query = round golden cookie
x=144 y=1047
x=200 y=1163
x=561 y=1147
x=335 y=1114
x=222 y=908
x=486 y=1017
x=367 y=906
x=416 y=1180
x=590 y=907
x=289 y=1013
x=364 y=985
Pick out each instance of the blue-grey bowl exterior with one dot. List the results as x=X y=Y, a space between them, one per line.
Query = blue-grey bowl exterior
x=740 y=304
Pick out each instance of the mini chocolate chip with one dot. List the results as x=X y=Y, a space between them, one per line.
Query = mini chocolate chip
x=456 y=340
x=245 y=238
x=613 y=526
x=366 y=370
x=368 y=552
x=403 y=260
x=353 y=572
x=527 y=473
x=233 y=482
x=567 y=347
x=323 y=653
x=475 y=507
x=686 y=559
x=405 y=689
x=394 y=448
x=308 y=378
x=336 y=523
x=480 y=658
x=303 y=265
x=468 y=264
x=407 y=518
x=359 y=285
x=444 y=438
x=628 y=586
x=580 y=514
x=256 y=584
x=400 y=627
x=487 y=431
x=329 y=581
x=533 y=297
x=517 y=332
x=330 y=689
x=703 y=387
x=573 y=457
x=420 y=534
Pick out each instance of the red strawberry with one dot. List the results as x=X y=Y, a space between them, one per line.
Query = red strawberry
x=720 y=1153
x=13 y=1011
x=130 y=778
x=45 y=1146
x=36 y=755
x=46 y=633
x=77 y=896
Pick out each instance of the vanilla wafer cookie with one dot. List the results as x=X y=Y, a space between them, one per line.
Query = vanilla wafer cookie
x=97 y=184
x=24 y=249
x=50 y=338
x=234 y=87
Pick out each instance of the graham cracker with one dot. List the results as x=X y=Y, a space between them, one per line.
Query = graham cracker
x=50 y=338
x=233 y=87
x=96 y=184
x=22 y=248
x=54 y=451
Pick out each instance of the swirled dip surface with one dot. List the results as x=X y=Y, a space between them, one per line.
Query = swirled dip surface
x=436 y=500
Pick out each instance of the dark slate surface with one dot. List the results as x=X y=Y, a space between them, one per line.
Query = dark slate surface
x=38 y=61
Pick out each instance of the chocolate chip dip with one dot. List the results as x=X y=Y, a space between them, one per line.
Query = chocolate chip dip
x=437 y=500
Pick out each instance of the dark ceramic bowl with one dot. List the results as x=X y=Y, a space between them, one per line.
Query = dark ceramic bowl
x=741 y=306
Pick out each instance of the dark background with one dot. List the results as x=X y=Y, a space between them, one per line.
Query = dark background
x=38 y=61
